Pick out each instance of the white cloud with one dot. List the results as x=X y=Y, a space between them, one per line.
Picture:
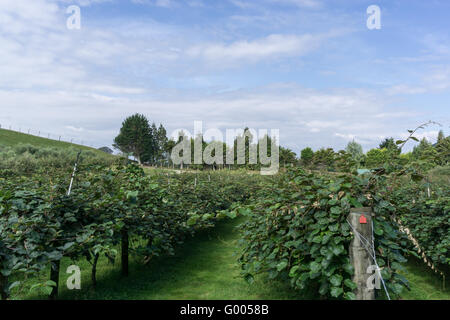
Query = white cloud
x=157 y=3
x=84 y=83
x=272 y=46
x=405 y=89
x=245 y=4
x=304 y=117
x=83 y=3
x=435 y=80
x=299 y=3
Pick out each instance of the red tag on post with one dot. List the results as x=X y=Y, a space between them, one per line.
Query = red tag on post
x=362 y=219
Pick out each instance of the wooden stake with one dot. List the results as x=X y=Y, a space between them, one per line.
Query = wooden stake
x=361 y=221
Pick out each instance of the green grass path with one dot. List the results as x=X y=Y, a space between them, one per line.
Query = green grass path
x=204 y=268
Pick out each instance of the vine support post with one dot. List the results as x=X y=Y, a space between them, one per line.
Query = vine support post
x=124 y=252
x=54 y=276
x=360 y=220
x=94 y=270
x=3 y=285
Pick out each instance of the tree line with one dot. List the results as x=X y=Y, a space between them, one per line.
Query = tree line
x=150 y=145
x=426 y=155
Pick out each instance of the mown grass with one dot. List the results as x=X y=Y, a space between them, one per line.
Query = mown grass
x=12 y=138
x=204 y=268
x=424 y=283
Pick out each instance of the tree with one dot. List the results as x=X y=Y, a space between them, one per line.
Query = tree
x=443 y=149
x=151 y=152
x=355 y=150
x=243 y=146
x=135 y=137
x=389 y=145
x=306 y=155
x=441 y=136
x=287 y=156
x=324 y=157
x=344 y=162
x=425 y=152
x=169 y=146
x=161 y=143
x=376 y=158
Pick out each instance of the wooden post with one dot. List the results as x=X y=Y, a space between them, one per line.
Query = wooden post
x=124 y=252
x=54 y=276
x=359 y=257
x=94 y=270
x=3 y=285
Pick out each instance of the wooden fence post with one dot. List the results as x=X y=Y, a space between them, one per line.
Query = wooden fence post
x=361 y=221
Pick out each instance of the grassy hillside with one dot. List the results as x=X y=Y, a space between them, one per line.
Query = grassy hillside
x=12 y=138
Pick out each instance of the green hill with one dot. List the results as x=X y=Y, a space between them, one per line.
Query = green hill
x=12 y=138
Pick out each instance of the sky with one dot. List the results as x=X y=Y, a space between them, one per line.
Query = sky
x=310 y=68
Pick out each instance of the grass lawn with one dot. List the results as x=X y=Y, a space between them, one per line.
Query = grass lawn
x=425 y=284
x=203 y=268
x=12 y=138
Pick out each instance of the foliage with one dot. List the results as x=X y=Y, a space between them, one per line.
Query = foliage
x=428 y=218
x=390 y=145
x=426 y=153
x=376 y=158
x=40 y=224
x=324 y=158
x=307 y=155
x=298 y=231
x=356 y=151
x=27 y=159
x=287 y=156
x=135 y=137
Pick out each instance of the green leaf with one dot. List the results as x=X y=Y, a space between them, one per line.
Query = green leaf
x=13 y=285
x=293 y=271
x=323 y=288
x=336 y=291
x=192 y=220
x=282 y=265
x=314 y=266
x=47 y=290
x=350 y=284
x=336 y=280
x=337 y=250
x=336 y=211
x=349 y=268
x=50 y=283
x=349 y=296
x=67 y=245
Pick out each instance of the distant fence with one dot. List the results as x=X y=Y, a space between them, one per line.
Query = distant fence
x=51 y=136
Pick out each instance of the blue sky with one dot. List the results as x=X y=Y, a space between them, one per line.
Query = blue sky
x=310 y=68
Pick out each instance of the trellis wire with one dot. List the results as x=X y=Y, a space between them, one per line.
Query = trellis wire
x=371 y=254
